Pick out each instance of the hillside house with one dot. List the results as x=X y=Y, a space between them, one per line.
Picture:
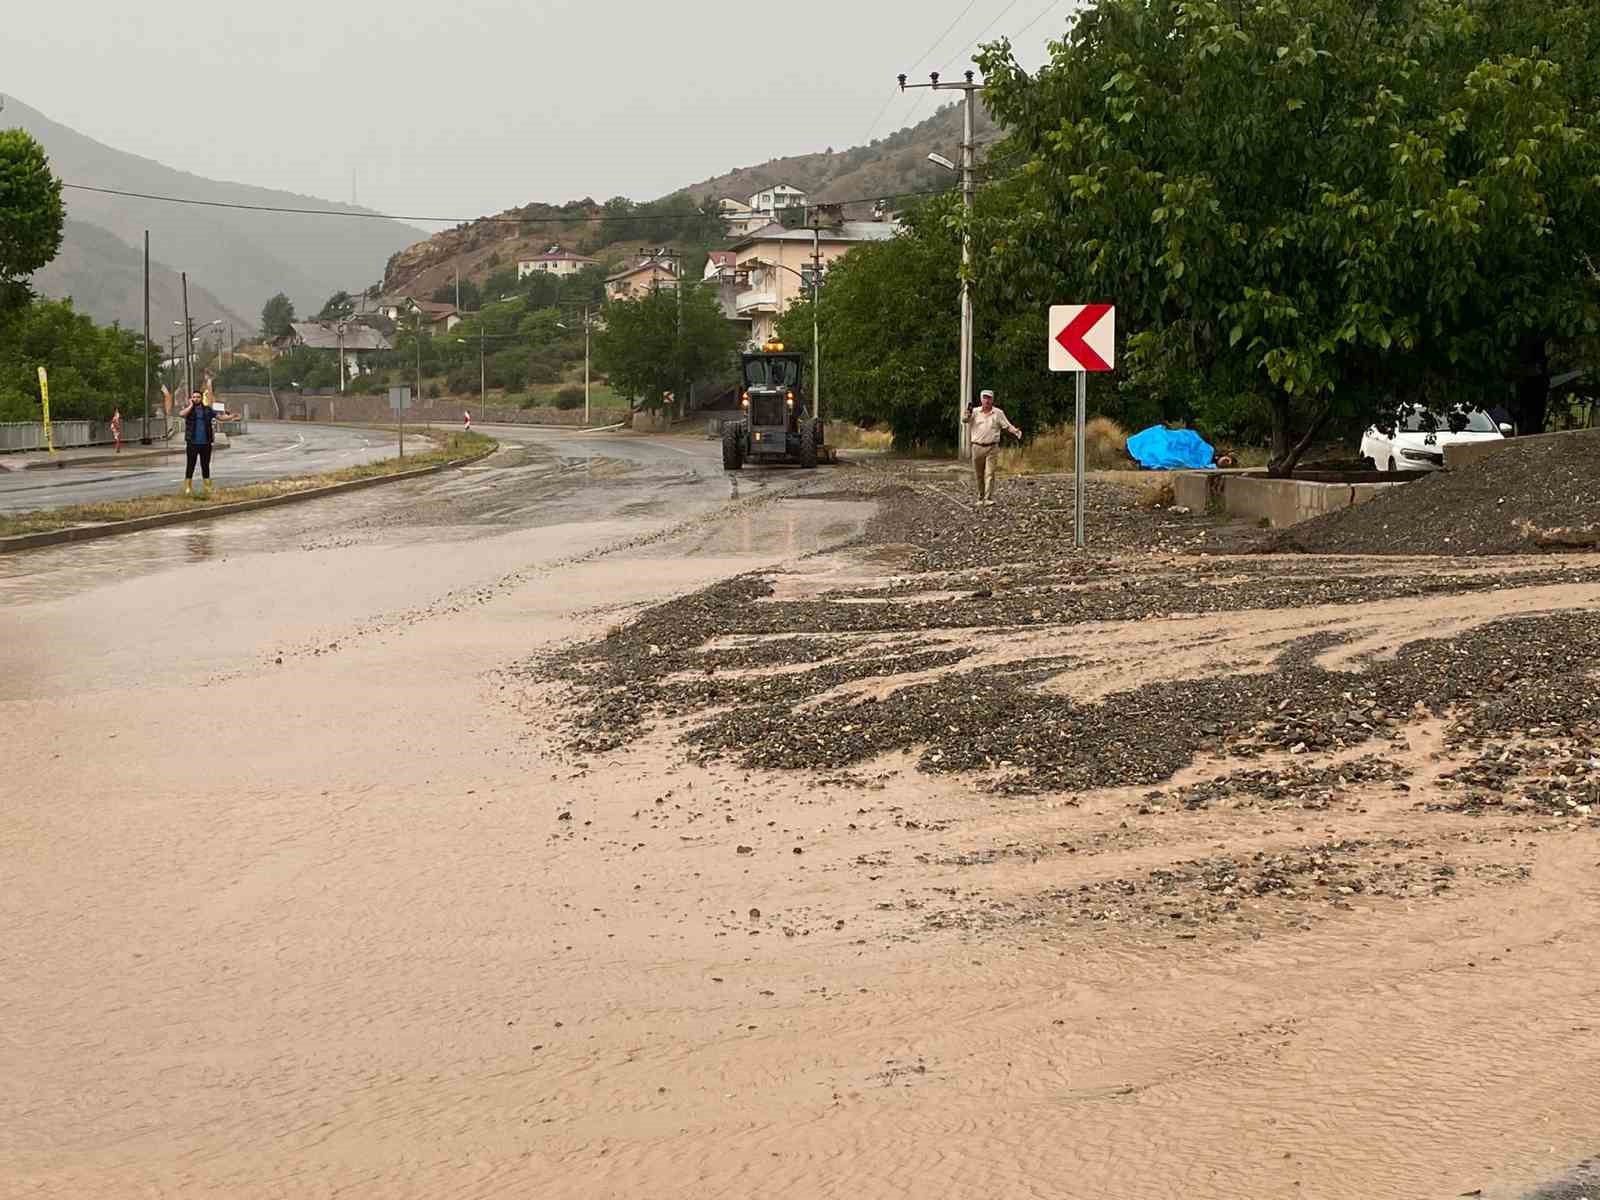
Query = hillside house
x=719 y=262
x=644 y=276
x=739 y=218
x=401 y=311
x=355 y=341
x=777 y=264
x=554 y=261
x=769 y=200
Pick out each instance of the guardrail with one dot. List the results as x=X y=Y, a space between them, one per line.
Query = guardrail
x=67 y=435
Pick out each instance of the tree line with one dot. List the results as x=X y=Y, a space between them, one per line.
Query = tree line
x=1307 y=212
x=92 y=368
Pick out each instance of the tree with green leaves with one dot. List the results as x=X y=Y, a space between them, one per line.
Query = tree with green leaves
x=339 y=305
x=93 y=368
x=645 y=350
x=277 y=317
x=31 y=214
x=1316 y=208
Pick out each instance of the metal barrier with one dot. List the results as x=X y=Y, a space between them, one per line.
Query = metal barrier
x=68 y=435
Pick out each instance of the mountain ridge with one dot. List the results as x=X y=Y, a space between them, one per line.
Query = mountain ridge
x=240 y=257
x=893 y=165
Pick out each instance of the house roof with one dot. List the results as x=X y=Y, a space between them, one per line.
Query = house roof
x=435 y=309
x=723 y=258
x=850 y=231
x=772 y=187
x=650 y=265
x=559 y=256
x=320 y=335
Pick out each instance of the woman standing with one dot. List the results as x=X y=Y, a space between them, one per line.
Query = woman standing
x=116 y=429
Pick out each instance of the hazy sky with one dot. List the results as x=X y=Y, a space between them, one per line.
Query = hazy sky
x=461 y=107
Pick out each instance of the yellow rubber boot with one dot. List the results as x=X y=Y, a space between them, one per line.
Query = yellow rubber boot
x=188 y=487
x=208 y=487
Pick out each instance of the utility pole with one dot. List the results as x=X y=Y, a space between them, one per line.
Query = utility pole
x=144 y=439
x=586 y=366
x=419 y=372
x=968 y=188
x=458 y=290
x=816 y=323
x=188 y=339
x=677 y=275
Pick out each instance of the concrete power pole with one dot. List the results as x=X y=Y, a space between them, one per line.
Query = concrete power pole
x=188 y=339
x=968 y=190
x=144 y=438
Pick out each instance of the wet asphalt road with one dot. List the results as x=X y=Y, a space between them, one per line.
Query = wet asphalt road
x=271 y=450
x=597 y=486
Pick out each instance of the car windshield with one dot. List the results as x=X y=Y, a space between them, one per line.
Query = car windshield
x=771 y=372
x=1458 y=420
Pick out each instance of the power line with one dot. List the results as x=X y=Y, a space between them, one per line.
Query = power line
x=940 y=39
x=873 y=128
x=502 y=220
x=1039 y=18
x=977 y=41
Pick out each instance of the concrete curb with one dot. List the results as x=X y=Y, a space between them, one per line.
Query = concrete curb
x=102 y=460
x=86 y=533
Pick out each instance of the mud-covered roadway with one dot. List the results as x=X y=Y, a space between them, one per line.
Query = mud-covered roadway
x=592 y=822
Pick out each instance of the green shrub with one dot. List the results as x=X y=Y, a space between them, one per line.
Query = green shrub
x=543 y=372
x=570 y=396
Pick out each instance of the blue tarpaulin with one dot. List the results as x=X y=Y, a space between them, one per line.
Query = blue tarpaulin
x=1161 y=449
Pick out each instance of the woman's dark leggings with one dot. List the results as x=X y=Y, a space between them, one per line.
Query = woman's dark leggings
x=203 y=453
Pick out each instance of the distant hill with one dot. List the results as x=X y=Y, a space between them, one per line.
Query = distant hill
x=242 y=258
x=888 y=166
x=105 y=278
x=894 y=165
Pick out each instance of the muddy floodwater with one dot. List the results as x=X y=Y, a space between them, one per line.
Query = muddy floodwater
x=403 y=845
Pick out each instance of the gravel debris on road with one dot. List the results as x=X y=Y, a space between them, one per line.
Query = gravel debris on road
x=1532 y=494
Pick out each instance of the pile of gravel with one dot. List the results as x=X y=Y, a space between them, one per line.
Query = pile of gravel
x=1533 y=494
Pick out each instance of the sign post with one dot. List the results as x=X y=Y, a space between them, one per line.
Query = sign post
x=44 y=399
x=399 y=401
x=1083 y=338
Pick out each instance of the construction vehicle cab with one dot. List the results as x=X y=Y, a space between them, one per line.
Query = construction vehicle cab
x=775 y=422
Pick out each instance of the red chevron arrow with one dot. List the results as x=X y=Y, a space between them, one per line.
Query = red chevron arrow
x=1071 y=338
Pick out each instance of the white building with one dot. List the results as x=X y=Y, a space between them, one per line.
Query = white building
x=769 y=200
x=554 y=261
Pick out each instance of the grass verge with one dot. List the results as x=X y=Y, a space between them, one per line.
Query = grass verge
x=847 y=435
x=453 y=448
x=1053 y=453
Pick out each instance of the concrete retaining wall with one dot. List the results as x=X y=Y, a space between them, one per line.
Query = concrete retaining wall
x=1280 y=501
x=1463 y=454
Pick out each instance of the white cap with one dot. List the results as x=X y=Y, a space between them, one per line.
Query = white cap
x=986 y=394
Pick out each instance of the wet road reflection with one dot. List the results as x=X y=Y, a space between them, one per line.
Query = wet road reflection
x=537 y=480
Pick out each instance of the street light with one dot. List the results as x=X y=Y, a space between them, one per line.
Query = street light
x=192 y=331
x=940 y=160
x=587 y=325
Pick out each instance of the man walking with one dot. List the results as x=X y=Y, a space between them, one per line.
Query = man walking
x=987 y=423
x=199 y=435
x=116 y=429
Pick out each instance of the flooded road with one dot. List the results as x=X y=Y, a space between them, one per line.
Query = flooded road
x=271 y=450
x=304 y=895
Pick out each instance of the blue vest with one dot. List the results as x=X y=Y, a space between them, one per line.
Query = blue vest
x=206 y=417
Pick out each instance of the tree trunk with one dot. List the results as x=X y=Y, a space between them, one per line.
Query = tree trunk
x=1280 y=428
x=1283 y=463
x=1533 y=384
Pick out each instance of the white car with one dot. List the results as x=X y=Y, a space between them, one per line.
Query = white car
x=1417 y=441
